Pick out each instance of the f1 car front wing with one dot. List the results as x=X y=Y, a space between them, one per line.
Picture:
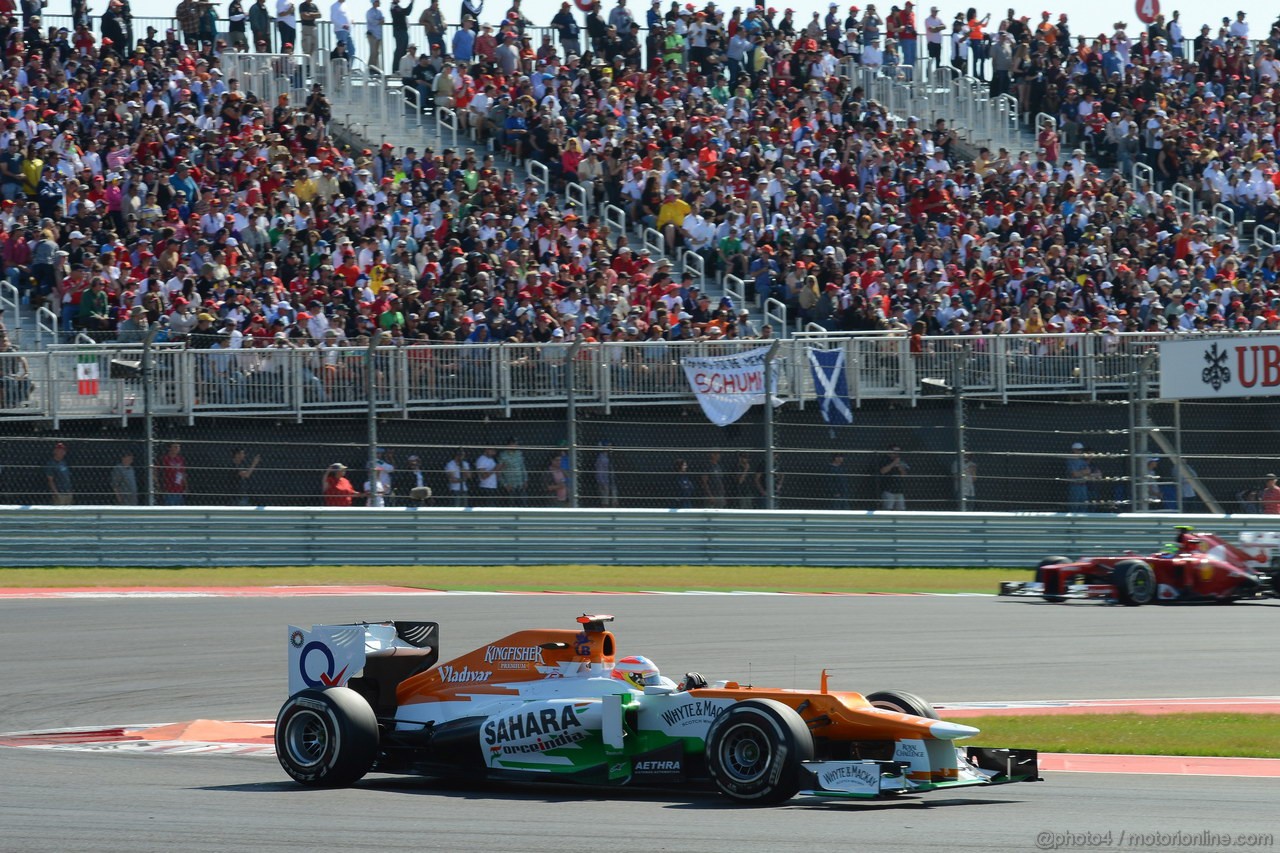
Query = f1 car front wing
x=977 y=765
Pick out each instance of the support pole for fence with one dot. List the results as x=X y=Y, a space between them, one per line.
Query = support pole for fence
x=371 y=391
x=1178 y=467
x=148 y=421
x=571 y=428
x=957 y=396
x=770 y=501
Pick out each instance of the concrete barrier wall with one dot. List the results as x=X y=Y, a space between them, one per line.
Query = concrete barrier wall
x=36 y=536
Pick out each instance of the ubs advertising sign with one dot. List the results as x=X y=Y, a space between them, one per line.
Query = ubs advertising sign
x=1220 y=367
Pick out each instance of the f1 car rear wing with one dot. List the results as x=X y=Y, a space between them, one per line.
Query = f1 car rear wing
x=1257 y=548
x=1264 y=544
x=331 y=655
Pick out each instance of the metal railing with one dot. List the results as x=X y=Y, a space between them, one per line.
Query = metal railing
x=1184 y=198
x=295 y=383
x=1264 y=238
x=269 y=536
x=693 y=263
x=47 y=325
x=1224 y=218
x=541 y=175
x=736 y=289
x=447 y=119
x=1142 y=173
x=775 y=315
x=942 y=92
x=576 y=196
x=11 y=302
x=616 y=218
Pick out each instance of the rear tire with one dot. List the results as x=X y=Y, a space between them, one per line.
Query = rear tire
x=1053 y=587
x=903 y=703
x=754 y=752
x=1135 y=583
x=326 y=738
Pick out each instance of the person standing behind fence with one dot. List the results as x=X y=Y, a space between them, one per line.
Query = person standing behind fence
x=188 y=15
x=124 y=480
x=893 y=471
x=457 y=471
x=1269 y=496
x=286 y=25
x=336 y=488
x=566 y=25
x=838 y=485
x=684 y=488
x=513 y=474
x=58 y=475
x=934 y=32
x=713 y=482
x=487 y=469
x=342 y=27
x=1077 y=479
x=375 y=490
x=173 y=476
x=606 y=476
x=400 y=30
x=260 y=25
x=308 y=14
x=408 y=479
x=373 y=21
x=557 y=480
x=236 y=20
x=238 y=476
x=432 y=21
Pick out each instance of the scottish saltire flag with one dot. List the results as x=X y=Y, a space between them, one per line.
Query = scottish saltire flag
x=87 y=374
x=831 y=386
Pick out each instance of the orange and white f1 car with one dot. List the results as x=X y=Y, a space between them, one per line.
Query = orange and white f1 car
x=563 y=706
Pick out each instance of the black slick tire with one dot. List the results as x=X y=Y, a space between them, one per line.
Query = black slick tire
x=326 y=738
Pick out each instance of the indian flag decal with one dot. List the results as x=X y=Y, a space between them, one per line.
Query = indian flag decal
x=87 y=374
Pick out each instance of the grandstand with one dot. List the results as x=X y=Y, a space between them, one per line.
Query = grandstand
x=598 y=222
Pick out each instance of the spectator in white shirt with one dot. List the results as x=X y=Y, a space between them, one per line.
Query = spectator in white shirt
x=374 y=19
x=342 y=25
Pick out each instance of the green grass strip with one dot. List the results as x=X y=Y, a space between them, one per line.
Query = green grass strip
x=537 y=578
x=1224 y=735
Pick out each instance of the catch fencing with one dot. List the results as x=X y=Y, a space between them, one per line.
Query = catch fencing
x=990 y=427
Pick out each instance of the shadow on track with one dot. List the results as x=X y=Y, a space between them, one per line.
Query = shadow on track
x=694 y=798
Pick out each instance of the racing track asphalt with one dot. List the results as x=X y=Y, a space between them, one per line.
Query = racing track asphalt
x=130 y=661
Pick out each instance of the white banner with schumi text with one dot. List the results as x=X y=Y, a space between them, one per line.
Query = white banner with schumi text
x=728 y=385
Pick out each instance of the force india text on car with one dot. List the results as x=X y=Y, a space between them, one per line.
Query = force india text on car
x=1198 y=567
x=561 y=706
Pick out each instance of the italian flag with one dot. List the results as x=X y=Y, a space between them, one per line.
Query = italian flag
x=87 y=374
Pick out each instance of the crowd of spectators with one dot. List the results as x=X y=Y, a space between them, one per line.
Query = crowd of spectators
x=141 y=186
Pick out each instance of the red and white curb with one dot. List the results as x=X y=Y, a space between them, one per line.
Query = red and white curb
x=254 y=738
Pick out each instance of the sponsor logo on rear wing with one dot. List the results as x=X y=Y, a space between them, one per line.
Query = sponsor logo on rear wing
x=326 y=656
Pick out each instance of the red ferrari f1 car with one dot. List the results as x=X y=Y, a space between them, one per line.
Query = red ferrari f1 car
x=1198 y=567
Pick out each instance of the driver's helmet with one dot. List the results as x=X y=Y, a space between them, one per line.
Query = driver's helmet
x=638 y=671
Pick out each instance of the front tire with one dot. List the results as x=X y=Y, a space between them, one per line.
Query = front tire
x=903 y=703
x=755 y=750
x=1135 y=583
x=326 y=738
x=1052 y=581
